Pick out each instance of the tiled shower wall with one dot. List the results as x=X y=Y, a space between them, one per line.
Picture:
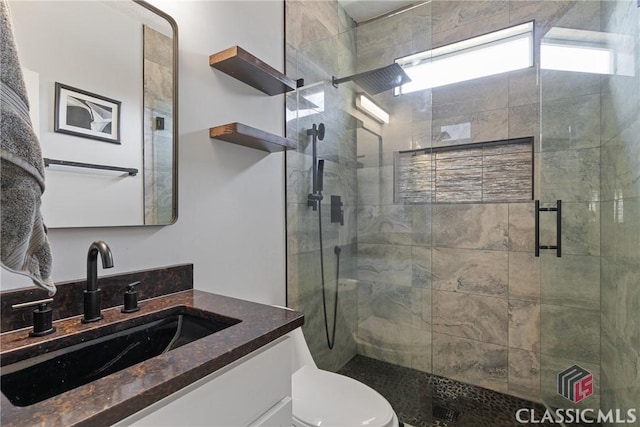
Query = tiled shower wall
x=158 y=143
x=319 y=46
x=569 y=161
x=454 y=288
x=620 y=192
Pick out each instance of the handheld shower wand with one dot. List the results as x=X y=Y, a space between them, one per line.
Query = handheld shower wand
x=314 y=199
x=317 y=134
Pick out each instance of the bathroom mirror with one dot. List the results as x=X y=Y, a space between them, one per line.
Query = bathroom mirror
x=101 y=78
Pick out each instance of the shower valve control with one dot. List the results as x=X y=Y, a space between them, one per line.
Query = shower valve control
x=337 y=213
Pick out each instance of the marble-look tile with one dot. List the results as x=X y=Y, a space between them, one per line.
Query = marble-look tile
x=310 y=21
x=392 y=303
x=580 y=228
x=422 y=271
x=524 y=373
x=345 y=343
x=524 y=88
x=570 y=280
x=304 y=293
x=422 y=307
x=524 y=120
x=454 y=21
x=302 y=233
x=345 y=21
x=608 y=365
x=385 y=55
x=550 y=367
x=422 y=27
x=570 y=176
x=375 y=186
x=620 y=165
x=452 y=14
x=391 y=31
x=546 y=14
x=570 y=332
x=620 y=228
x=470 y=226
x=482 y=126
x=385 y=340
x=385 y=224
x=421 y=222
x=422 y=350
x=487 y=93
x=627 y=373
x=625 y=301
x=524 y=276
x=421 y=129
x=385 y=264
x=524 y=325
x=470 y=316
x=522 y=227
x=582 y=16
x=570 y=119
x=619 y=109
x=471 y=271
x=557 y=84
x=397 y=135
x=473 y=362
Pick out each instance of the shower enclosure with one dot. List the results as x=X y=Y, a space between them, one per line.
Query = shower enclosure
x=438 y=270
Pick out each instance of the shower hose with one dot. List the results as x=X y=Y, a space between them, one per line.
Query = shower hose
x=331 y=340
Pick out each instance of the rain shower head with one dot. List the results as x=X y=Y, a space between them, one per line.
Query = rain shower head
x=378 y=80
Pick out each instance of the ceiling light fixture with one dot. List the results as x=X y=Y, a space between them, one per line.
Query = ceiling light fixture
x=366 y=105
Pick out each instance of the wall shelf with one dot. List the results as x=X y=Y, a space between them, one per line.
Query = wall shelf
x=242 y=65
x=237 y=133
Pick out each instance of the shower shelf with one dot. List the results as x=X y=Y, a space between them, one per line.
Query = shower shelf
x=242 y=65
x=237 y=133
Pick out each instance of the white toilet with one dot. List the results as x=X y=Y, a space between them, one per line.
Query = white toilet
x=322 y=398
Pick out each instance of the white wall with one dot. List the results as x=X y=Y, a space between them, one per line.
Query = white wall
x=231 y=222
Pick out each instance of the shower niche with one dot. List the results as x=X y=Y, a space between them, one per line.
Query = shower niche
x=247 y=68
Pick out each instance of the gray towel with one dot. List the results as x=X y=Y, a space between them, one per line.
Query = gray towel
x=24 y=247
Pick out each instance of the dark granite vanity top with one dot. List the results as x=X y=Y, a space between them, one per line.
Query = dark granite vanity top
x=113 y=398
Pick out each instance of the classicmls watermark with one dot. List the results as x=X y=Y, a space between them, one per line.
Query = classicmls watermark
x=576 y=384
x=573 y=415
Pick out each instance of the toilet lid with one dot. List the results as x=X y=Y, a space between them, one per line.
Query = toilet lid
x=322 y=398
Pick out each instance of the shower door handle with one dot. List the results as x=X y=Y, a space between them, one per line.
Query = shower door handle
x=558 y=211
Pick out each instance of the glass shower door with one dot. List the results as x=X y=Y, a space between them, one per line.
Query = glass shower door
x=588 y=158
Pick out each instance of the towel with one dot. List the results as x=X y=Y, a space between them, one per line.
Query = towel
x=24 y=245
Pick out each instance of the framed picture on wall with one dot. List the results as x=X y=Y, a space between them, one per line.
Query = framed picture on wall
x=85 y=114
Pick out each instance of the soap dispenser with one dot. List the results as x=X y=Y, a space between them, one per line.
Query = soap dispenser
x=131 y=298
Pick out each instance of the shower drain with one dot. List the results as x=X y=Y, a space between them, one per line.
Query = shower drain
x=444 y=414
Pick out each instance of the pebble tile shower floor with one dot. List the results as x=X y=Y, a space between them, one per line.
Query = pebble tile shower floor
x=425 y=400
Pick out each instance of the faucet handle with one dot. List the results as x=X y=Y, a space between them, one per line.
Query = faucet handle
x=131 y=298
x=42 y=316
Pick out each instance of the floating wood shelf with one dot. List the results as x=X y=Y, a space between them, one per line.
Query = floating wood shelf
x=240 y=64
x=237 y=133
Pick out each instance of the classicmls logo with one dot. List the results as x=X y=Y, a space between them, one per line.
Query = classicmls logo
x=575 y=383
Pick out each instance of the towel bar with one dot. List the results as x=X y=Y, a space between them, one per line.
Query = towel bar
x=130 y=171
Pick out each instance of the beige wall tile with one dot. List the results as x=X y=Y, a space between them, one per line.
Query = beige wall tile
x=470 y=316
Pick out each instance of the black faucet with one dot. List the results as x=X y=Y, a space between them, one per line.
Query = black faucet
x=92 y=297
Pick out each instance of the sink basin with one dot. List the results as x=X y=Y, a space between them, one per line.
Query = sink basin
x=38 y=378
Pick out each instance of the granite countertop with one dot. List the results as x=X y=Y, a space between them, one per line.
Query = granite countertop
x=113 y=398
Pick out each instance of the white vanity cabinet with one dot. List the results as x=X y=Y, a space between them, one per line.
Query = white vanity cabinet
x=252 y=391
